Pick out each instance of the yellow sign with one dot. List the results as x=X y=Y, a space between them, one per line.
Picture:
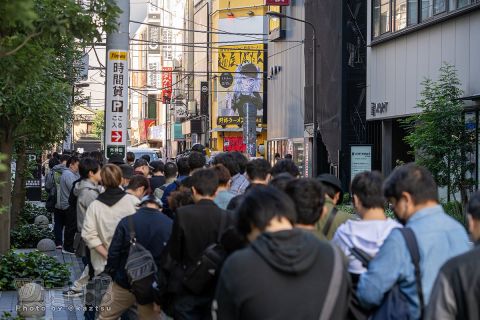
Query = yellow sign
x=241 y=80
x=118 y=55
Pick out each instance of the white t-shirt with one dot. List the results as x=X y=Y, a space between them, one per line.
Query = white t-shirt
x=367 y=235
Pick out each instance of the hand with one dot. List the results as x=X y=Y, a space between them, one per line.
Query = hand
x=157 y=308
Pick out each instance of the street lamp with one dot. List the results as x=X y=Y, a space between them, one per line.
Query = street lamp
x=314 y=105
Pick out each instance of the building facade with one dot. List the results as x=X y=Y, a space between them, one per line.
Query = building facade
x=408 y=41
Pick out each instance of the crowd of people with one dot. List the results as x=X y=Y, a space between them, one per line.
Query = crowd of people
x=237 y=239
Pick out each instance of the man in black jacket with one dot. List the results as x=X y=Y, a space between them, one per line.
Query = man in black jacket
x=152 y=231
x=456 y=291
x=286 y=273
x=196 y=227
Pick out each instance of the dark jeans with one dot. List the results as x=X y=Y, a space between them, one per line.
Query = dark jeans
x=70 y=229
x=192 y=307
x=60 y=220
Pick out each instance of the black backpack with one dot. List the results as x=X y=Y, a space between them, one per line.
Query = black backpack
x=140 y=268
x=203 y=274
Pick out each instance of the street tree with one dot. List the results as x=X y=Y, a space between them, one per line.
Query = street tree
x=439 y=136
x=38 y=58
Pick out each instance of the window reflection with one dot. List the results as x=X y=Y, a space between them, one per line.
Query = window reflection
x=384 y=16
x=400 y=14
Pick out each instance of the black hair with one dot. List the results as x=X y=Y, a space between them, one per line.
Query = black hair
x=258 y=169
x=474 y=206
x=241 y=160
x=285 y=165
x=138 y=181
x=146 y=157
x=260 y=206
x=86 y=154
x=222 y=173
x=64 y=157
x=367 y=186
x=183 y=167
x=72 y=160
x=414 y=179
x=157 y=166
x=87 y=165
x=288 y=156
x=330 y=189
x=205 y=182
x=309 y=198
x=130 y=156
x=53 y=162
x=55 y=155
x=196 y=160
x=228 y=161
x=97 y=155
x=170 y=170
x=281 y=180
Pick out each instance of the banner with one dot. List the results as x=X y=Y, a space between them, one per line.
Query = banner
x=277 y=2
x=144 y=127
x=241 y=81
x=166 y=83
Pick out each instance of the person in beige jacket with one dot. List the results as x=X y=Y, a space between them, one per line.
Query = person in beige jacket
x=104 y=214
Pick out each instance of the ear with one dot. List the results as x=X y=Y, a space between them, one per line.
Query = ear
x=194 y=191
x=269 y=177
x=471 y=223
x=408 y=198
x=324 y=212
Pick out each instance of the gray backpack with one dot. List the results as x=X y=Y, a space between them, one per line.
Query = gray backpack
x=140 y=268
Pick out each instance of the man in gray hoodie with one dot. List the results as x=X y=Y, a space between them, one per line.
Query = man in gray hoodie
x=86 y=191
x=54 y=184
x=69 y=176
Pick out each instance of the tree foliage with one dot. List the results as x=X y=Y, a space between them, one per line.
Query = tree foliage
x=439 y=136
x=41 y=42
x=98 y=123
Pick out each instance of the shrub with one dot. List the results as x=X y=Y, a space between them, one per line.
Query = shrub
x=31 y=211
x=9 y=316
x=28 y=235
x=35 y=266
x=455 y=210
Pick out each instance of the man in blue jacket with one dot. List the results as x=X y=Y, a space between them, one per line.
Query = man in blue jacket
x=412 y=192
x=153 y=229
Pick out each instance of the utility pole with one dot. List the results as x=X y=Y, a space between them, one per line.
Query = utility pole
x=116 y=84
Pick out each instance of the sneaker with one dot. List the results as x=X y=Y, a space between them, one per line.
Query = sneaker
x=68 y=251
x=72 y=293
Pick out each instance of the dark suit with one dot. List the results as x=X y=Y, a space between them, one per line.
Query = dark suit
x=195 y=227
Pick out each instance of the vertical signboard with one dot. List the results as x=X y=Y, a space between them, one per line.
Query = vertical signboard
x=166 y=83
x=360 y=159
x=204 y=98
x=116 y=102
x=277 y=2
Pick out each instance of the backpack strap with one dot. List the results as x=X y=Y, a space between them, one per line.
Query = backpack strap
x=412 y=246
x=361 y=256
x=333 y=286
x=329 y=222
x=131 y=227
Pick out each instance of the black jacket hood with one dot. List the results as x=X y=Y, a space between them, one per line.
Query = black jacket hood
x=111 y=196
x=290 y=251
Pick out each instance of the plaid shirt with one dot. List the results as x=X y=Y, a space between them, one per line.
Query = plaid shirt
x=239 y=184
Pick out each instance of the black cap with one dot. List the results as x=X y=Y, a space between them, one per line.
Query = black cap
x=150 y=199
x=127 y=171
x=333 y=181
x=116 y=159
x=157 y=166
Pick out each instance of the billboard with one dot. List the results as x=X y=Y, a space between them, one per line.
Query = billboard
x=241 y=80
x=166 y=83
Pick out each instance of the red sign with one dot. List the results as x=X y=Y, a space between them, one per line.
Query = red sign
x=166 y=83
x=234 y=144
x=143 y=127
x=117 y=136
x=277 y=2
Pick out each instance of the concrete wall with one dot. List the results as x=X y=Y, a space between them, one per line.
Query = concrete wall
x=396 y=68
x=286 y=89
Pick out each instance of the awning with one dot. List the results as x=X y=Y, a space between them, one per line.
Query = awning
x=220 y=129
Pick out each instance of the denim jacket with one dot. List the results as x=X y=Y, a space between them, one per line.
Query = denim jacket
x=439 y=238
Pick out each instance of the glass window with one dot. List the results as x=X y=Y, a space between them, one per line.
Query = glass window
x=376 y=18
x=462 y=3
x=384 y=16
x=400 y=14
x=412 y=12
x=439 y=6
x=427 y=6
